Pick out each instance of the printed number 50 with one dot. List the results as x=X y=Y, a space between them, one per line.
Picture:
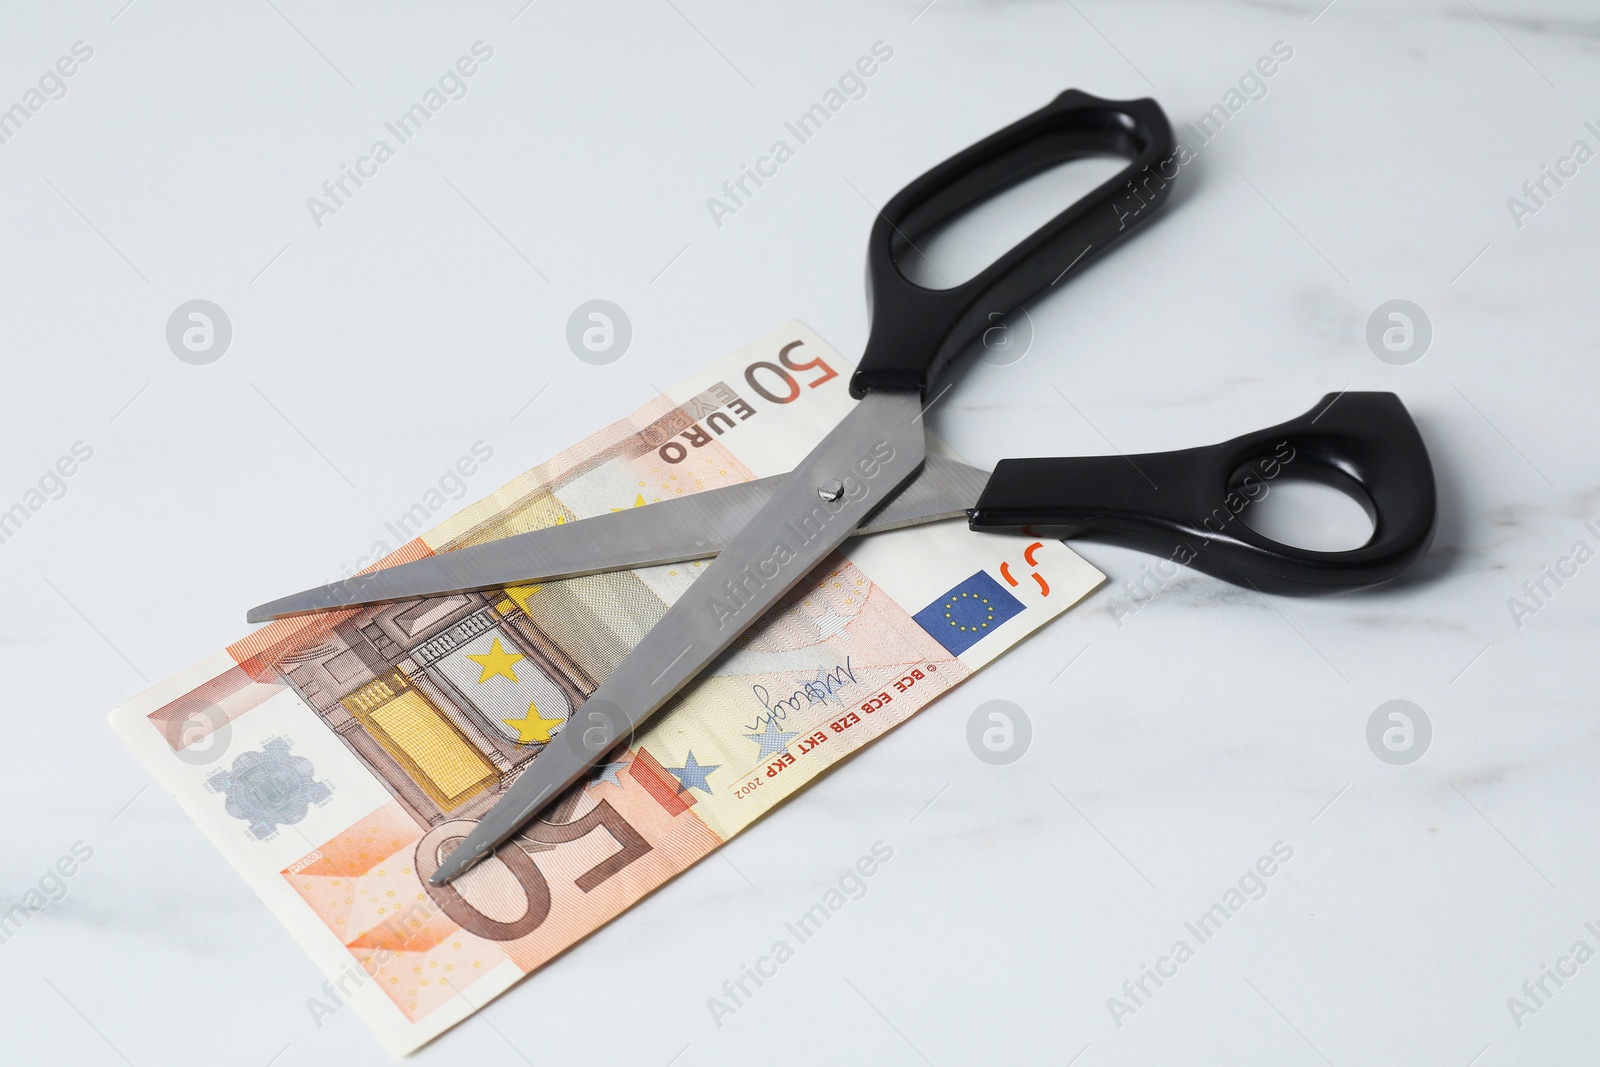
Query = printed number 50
x=788 y=383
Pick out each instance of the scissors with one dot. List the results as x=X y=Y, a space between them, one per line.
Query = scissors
x=872 y=472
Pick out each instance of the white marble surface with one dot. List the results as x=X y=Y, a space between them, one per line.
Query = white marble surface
x=1178 y=748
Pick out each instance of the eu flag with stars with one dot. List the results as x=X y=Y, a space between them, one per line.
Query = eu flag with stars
x=966 y=614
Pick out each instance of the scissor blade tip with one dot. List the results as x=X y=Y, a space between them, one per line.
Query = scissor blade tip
x=271 y=610
x=283 y=608
x=447 y=872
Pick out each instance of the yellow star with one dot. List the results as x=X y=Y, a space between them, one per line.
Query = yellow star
x=496 y=661
x=638 y=502
x=533 y=727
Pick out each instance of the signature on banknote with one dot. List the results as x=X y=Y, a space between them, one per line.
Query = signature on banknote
x=819 y=691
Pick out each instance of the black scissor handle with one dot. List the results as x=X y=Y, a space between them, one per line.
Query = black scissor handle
x=1188 y=505
x=917 y=331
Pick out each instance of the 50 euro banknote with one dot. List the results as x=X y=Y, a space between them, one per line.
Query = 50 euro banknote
x=336 y=758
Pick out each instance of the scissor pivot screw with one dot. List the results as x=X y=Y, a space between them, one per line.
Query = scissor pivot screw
x=831 y=490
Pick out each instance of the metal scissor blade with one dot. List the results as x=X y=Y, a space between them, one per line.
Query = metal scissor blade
x=684 y=528
x=865 y=458
x=690 y=527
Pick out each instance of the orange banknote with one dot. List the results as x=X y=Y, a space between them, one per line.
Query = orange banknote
x=336 y=758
